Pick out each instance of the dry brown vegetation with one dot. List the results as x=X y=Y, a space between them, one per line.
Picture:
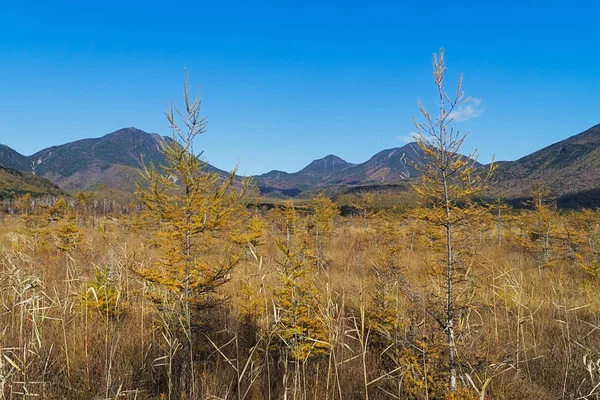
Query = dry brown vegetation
x=318 y=306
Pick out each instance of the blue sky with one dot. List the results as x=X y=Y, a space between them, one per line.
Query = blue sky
x=285 y=83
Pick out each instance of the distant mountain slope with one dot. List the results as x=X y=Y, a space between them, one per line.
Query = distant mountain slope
x=84 y=163
x=315 y=174
x=10 y=158
x=568 y=166
x=324 y=167
x=388 y=166
x=15 y=183
x=113 y=160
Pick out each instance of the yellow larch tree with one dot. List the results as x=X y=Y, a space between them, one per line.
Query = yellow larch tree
x=325 y=212
x=301 y=331
x=448 y=179
x=195 y=214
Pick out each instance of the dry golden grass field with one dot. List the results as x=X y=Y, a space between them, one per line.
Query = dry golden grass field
x=314 y=306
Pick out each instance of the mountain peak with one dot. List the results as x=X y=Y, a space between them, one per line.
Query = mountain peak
x=333 y=157
x=130 y=133
x=125 y=131
x=325 y=166
x=12 y=159
x=134 y=136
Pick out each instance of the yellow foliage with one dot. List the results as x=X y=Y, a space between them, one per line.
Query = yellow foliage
x=67 y=236
x=325 y=211
x=448 y=180
x=254 y=234
x=102 y=296
x=23 y=204
x=193 y=213
x=298 y=326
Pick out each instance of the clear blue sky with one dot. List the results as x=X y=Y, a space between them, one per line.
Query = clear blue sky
x=288 y=82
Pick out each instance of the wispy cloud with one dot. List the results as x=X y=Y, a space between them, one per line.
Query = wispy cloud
x=471 y=109
x=408 y=138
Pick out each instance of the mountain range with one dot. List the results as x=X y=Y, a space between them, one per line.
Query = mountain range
x=115 y=159
x=386 y=167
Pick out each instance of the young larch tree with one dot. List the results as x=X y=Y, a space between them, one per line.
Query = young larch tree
x=196 y=216
x=448 y=179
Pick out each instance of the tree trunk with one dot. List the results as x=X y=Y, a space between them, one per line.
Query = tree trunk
x=450 y=292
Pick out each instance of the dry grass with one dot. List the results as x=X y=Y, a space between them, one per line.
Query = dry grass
x=82 y=325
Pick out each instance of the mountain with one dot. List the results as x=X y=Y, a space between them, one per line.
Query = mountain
x=9 y=158
x=314 y=175
x=386 y=167
x=122 y=147
x=324 y=167
x=569 y=166
x=113 y=160
x=15 y=183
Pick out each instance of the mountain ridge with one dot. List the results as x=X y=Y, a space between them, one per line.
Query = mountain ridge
x=14 y=183
x=114 y=160
x=567 y=166
x=10 y=158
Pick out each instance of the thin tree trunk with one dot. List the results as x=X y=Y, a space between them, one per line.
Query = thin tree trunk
x=499 y=224
x=450 y=293
x=187 y=294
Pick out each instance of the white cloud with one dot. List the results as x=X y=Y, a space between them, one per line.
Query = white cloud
x=469 y=110
x=408 y=138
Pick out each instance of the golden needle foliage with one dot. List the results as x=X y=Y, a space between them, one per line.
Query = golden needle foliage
x=194 y=212
x=448 y=180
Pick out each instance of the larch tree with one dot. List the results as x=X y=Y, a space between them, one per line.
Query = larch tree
x=285 y=218
x=500 y=208
x=300 y=329
x=448 y=179
x=541 y=225
x=196 y=216
x=587 y=225
x=325 y=212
